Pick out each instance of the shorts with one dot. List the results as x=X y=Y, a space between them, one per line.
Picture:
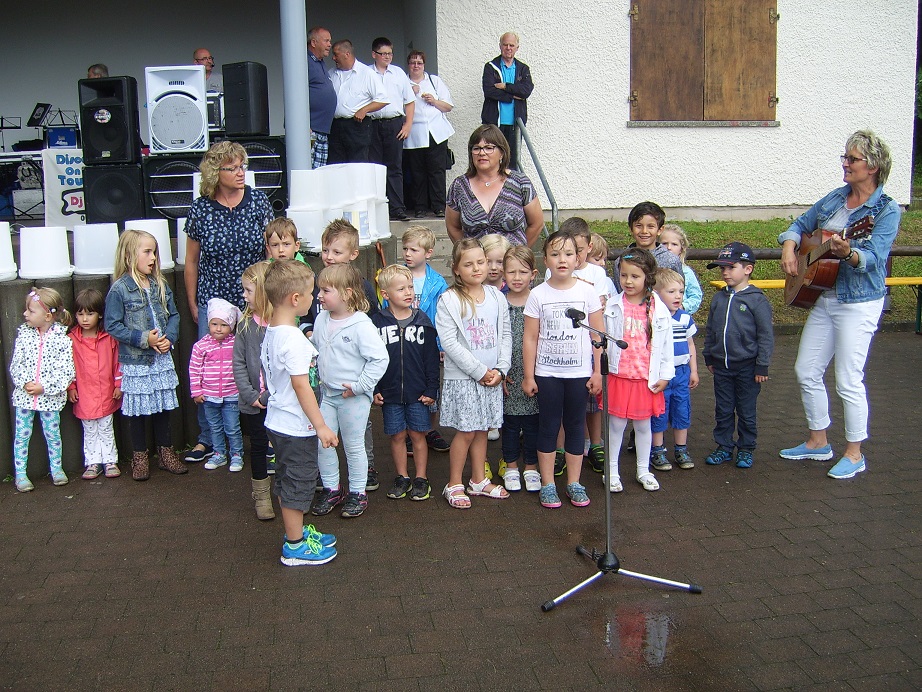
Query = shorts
x=678 y=403
x=296 y=469
x=400 y=417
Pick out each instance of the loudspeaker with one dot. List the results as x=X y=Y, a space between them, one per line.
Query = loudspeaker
x=177 y=110
x=246 y=99
x=266 y=158
x=168 y=185
x=109 y=120
x=113 y=193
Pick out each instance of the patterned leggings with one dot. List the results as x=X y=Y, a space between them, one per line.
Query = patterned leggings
x=51 y=426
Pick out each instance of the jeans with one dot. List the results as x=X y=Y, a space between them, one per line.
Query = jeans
x=735 y=394
x=348 y=417
x=224 y=420
x=204 y=435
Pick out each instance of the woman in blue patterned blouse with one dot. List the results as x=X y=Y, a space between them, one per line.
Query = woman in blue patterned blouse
x=225 y=236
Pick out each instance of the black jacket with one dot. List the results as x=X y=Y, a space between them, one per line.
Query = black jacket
x=739 y=330
x=413 y=370
x=522 y=87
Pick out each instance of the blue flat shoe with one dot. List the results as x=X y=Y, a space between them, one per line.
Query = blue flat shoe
x=801 y=451
x=846 y=468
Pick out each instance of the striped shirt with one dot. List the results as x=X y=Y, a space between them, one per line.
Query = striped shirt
x=683 y=328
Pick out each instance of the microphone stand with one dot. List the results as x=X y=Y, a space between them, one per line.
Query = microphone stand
x=608 y=562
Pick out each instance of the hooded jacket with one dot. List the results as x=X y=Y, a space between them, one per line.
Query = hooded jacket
x=413 y=370
x=739 y=330
x=44 y=358
x=98 y=374
x=354 y=355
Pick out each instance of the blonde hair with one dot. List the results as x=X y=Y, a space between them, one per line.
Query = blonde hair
x=261 y=307
x=494 y=241
x=680 y=234
x=422 y=235
x=284 y=277
x=599 y=247
x=387 y=275
x=340 y=228
x=282 y=227
x=348 y=283
x=126 y=260
x=523 y=254
x=666 y=277
x=458 y=286
x=220 y=154
x=52 y=303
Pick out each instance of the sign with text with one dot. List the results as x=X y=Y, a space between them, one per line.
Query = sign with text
x=63 y=170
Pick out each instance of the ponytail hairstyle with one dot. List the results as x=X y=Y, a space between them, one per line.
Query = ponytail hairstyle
x=458 y=286
x=348 y=283
x=645 y=262
x=260 y=307
x=126 y=260
x=50 y=301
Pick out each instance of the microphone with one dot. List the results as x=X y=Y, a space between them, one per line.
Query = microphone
x=575 y=316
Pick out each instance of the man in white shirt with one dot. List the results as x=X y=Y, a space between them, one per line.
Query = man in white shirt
x=391 y=125
x=214 y=80
x=358 y=93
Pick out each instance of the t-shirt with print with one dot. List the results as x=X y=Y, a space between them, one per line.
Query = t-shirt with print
x=634 y=362
x=591 y=273
x=480 y=330
x=285 y=353
x=563 y=350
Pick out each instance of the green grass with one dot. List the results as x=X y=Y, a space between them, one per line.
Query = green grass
x=764 y=234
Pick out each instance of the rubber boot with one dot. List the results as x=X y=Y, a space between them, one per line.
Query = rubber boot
x=140 y=467
x=263 y=499
x=168 y=461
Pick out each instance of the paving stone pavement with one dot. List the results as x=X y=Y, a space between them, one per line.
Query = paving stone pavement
x=809 y=583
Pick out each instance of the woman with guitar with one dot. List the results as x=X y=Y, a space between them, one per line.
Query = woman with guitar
x=851 y=229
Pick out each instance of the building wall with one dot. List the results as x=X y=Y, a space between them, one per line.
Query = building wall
x=834 y=76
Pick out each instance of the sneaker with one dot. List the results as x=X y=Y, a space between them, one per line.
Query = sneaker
x=501 y=467
x=512 y=479
x=421 y=489
x=270 y=465
x=487 y=471
x=355 y=505
x=493 y=434
x=648 y=481
x=436 y=442
x=658 y=459
x=60 y=478
x=549 y=497
x=216 y=461
x=195 y=454
x=270 y=453
x=92 y=471
x=371 y=483
x=23 y=484
x=409 y=444
x=801 y=451
x=112 y=471
x=614 y=485
x=577 y=495
x=400 y=488
x=327 y=500
x=532 y=480
x=744 y=459
x=596 y=458
x=683 y=459
x=560 y=462
x=307 y=552
x=719 y=456
x=236 y=464
x=327 y=540
x=844 y=468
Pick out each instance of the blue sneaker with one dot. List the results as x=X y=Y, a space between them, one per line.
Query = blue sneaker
x=846 y=468
x=577 y=495
x=719 y=456
x=801 y=451
x=744 y=459
x=549 y=497
x=327 y=540
x=307 y=552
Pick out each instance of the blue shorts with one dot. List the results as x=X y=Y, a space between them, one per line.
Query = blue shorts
x=678 y=403
x=400 y=417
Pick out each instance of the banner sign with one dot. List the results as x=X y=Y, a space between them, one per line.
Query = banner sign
x=63 y=170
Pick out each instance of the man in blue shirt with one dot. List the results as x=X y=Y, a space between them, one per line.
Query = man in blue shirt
x=506 y=87
x=321 y=93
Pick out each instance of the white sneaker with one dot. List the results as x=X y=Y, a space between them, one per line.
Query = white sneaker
x=614 y=485
x=493 y=434
x=512 y=480
x=215 y=462
x=532 y=481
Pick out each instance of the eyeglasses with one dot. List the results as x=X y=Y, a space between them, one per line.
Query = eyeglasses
x=485 y=149
x=384 y=55
x=850 y=159
x=234 y=169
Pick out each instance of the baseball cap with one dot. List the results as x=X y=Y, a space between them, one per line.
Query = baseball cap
x=731 y=253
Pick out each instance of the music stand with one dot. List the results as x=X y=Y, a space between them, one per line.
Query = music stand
x=608 y=562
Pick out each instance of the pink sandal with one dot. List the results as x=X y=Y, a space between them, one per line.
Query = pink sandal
x=456 y=497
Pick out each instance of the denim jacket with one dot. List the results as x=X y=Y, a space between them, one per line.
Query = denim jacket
x=864 y=282
x=129 y=319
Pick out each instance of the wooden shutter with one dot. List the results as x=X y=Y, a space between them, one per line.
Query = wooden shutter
x=667 y=60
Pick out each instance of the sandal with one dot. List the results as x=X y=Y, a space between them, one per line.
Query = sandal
x=456 y=497
x=498 y=492
x=648 y=481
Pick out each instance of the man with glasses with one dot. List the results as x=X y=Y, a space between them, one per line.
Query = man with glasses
x=321 y=92
x=391 y=125
x=506 y=87
x=358 y=93
x=214 y=80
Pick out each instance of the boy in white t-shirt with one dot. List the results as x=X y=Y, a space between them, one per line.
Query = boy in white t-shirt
x=293 y=420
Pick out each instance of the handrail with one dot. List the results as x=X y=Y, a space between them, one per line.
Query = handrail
x=555 y=220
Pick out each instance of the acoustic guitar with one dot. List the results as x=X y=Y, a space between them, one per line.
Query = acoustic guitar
x=817 y=267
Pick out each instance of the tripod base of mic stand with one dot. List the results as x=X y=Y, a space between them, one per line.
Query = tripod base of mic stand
x=607 y=563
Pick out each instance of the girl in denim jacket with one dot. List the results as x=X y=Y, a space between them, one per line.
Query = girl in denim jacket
x=141 y=315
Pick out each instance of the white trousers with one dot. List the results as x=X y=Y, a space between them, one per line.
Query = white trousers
x=99 y=441
x=843 y=331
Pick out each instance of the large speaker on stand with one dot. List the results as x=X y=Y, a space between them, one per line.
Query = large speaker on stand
x=113 y=193
x=168 y=185
x=177 y=110
x=246 y=99
x=109 y=120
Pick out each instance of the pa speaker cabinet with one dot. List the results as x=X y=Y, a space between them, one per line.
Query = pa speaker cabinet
x=109 y=120
x=246 y=99
x=113 y=193
x=177 y=110
x=168 y=185
x=266 y=158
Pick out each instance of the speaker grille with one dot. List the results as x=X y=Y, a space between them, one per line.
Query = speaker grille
x=267 y=160
x=176 y=124
x=170 y=186
x=113 y=193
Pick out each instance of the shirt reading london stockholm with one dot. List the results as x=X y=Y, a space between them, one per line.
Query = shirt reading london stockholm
x=286 y=353
x=563 y=350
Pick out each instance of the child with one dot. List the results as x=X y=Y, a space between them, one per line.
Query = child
x=211 y=383
x=645 y=222
x=411 y=382
x=428 y=285
x=494 y=247
x=640 y=373
x=598 y=255
x=560 y=364
x=673 y=238
x=41 y=369
x=141 y=315
x=738 y=347
x=293 y=420
x=352 y=359
x=473 y=324
x=670 y=289
x=97 y=392
x=520 y=412
x=251 y=385
x=282 y=240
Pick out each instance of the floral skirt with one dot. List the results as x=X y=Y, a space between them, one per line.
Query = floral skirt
x=632 y=399
x=148 y=389
x=468 y=406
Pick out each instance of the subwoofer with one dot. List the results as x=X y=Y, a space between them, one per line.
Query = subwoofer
x=177 y=109
x=168 y=185
x=109 y=120
x=266 y=158
x=113 y=193
x=246 y=99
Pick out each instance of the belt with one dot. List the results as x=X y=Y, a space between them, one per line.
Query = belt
x=393 y=117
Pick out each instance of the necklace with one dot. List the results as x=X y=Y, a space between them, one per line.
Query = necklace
x=487 y=184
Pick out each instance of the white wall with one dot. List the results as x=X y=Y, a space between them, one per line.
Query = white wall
x=839 y=69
